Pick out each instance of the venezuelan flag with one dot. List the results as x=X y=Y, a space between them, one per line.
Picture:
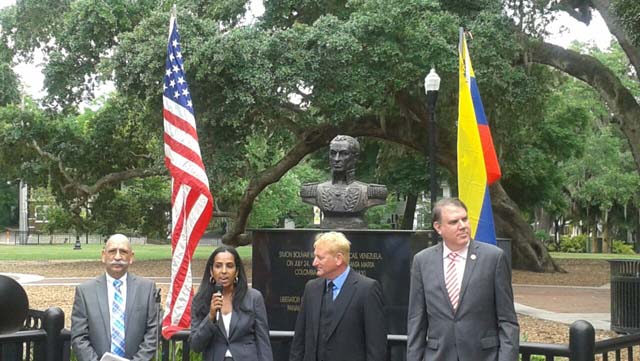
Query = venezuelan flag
x=477 y=160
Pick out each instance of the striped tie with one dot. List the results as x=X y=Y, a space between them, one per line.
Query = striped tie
x=451 y=280
x=117 y=323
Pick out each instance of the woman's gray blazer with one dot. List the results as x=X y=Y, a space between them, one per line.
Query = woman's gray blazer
x=248 y=337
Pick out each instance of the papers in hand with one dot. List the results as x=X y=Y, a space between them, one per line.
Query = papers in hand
x=108 y=356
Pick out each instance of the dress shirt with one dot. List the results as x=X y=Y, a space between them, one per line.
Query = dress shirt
x=338 y=282
x=112 y=290
x=461 y=261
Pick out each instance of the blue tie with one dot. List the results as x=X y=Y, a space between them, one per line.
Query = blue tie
x=117 y=323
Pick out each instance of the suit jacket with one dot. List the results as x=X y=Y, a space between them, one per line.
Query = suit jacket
x=248 y=337
x=91 y=325
x=484 y=327
x=358 y=329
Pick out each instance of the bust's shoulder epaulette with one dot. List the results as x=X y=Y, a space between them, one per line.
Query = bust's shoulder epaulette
x=377 y=191
x=308 y=190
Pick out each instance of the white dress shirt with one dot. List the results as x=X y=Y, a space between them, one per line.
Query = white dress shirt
x=461 y=262
x=226 y=320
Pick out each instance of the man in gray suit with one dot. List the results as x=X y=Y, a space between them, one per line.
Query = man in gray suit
x=460 y=298
x=115 y=312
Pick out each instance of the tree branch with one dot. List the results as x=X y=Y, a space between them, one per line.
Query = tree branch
x=588 y=69
x=84 y=191
x=613 y=23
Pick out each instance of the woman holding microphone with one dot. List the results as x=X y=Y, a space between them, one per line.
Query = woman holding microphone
x=229 y=319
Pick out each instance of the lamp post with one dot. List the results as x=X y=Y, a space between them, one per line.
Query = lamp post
x=431 y=88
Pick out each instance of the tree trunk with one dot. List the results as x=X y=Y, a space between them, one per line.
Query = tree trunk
x=613 y=23
x=527 y=252
x=605 y=233
x=594 y=236
x=543 y=220
x=409 y=211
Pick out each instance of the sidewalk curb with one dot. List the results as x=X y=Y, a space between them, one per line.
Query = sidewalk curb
x=600 y=321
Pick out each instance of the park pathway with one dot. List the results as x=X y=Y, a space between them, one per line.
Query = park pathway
x=565 y=304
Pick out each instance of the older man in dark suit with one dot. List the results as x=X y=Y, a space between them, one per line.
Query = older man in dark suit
x=341 y=317
x=115 y=312
x=460 y=298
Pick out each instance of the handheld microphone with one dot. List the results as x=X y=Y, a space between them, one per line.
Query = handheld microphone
x=217 y=289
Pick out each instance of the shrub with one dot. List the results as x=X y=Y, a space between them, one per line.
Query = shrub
x=542 y=236
x=551 y=247
x=620 y=247
x=577 y=244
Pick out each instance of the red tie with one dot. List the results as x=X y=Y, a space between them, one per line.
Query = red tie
x=451 y=280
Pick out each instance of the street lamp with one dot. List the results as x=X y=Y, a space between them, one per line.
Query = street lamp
x=431 y=88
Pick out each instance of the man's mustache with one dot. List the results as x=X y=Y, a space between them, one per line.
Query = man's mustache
x=118 y=263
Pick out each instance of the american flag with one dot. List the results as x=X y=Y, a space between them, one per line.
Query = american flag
x=191 y=200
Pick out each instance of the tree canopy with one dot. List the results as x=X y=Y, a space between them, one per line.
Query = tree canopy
x=269 y=92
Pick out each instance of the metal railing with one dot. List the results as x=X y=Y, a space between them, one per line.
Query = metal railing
x=41 y=338
x=44 y=338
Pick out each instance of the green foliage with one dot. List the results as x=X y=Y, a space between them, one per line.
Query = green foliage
x=538 y=148
x=405 y=171
x=605 y=175
x=619 y=247
x=140 y=206
x=577 y=244
x=627 y=11
x=541 y=235
x=59 y=219
x=380 y=217
x=279 y=200
x=9 y=85
x=341 y=60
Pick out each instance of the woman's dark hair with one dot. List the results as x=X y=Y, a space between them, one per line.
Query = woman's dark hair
x=202 y=300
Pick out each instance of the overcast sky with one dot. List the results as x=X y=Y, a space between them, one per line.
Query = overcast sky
x=565 y=30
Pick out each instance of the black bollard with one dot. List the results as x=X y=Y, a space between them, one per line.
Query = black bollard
x=582 y=341
x=14 y=305
x=53 y=323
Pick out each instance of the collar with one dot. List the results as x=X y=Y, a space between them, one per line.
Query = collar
x=111 y=279
x=339 y=281
x=461 y=253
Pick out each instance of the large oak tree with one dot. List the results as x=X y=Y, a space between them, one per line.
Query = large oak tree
x=303 y=73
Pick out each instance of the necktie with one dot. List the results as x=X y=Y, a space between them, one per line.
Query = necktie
x=329 y=293
x=451 y=280
x=117 y=323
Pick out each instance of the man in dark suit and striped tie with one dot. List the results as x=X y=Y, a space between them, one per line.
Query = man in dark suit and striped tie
x=341 y=316
x=115 y=312
x=460 y=298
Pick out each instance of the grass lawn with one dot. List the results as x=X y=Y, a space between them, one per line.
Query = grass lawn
x=603 y=256
x=92 y=252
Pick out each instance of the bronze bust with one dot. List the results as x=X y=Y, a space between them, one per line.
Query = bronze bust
x=343 y=200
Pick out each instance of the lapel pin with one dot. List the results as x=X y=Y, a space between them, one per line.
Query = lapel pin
x=473 y=256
